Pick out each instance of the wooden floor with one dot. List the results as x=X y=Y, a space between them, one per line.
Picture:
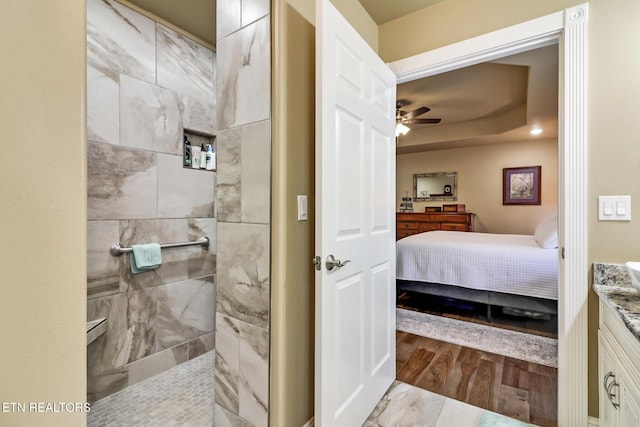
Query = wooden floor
x=515 y=388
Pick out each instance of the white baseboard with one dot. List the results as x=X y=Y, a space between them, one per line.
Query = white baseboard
x=310 y=423
x=594 y=422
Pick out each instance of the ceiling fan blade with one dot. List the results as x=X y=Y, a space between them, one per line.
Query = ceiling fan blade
x=416 y=112
x=421 y=121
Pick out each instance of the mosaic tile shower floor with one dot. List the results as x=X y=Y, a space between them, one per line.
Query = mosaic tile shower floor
x=180 y=396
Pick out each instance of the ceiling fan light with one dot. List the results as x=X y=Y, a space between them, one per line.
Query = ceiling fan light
x=401 y=129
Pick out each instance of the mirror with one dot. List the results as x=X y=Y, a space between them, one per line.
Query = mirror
x=435 y=186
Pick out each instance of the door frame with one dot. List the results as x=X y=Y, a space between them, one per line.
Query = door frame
x=569 y=29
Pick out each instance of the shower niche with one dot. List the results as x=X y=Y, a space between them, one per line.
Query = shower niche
x=199 y=151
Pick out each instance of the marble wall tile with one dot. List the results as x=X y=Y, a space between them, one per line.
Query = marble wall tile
x=107 y=383
x=254 y=374
x=228 y=13
x=243 y=272
x=227 y=375
x=174 y=261
x=122 y=183
x=158 y=362
x=185 y=311
x=229 y=175
x=150 y=117
x=202 y=262
x=184 y=66
x=201 y=345
x=120 y=39
x=244 y=76
x=183 y=192
x=198 y=116
x=103 y=106
x=253 y=10
x=130 y=334
x=224 y=418
x=103 y=271
x=255 y=190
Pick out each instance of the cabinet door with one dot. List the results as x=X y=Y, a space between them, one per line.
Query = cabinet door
x=607 y=370
x=629 y=403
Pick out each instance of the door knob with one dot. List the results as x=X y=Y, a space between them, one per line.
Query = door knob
x=332 y=263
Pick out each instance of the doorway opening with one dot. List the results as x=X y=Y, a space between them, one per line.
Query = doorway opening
x=567 y=28
x=477 y=337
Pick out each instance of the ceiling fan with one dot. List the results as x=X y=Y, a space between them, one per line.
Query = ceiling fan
x=404 y=118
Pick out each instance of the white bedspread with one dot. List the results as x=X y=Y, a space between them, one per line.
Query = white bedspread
x=509 y=263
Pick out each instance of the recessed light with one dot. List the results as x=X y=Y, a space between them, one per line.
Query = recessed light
x=536 y=131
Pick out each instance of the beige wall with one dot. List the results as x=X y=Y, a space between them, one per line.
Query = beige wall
x=292 y=284
x=451 y=21
x=43 y=208
x=480 y=181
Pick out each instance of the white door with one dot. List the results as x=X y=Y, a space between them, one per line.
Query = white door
x=355 y=221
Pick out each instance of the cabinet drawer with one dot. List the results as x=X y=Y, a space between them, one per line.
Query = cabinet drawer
x=449 y=218
x=403 y=233
x=454 y=227
x=407 y=226
x=429 y=227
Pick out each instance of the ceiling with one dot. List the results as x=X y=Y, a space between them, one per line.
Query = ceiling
x=488 y=103
x=384 y=11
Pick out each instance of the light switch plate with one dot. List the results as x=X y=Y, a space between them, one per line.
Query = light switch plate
x=614 y=208
x=303 y=212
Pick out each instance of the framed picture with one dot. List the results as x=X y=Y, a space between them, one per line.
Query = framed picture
x=521 y=186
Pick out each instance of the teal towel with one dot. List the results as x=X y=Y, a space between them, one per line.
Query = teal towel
x=145 y=257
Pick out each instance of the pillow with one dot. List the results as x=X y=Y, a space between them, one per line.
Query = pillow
x=546 y=234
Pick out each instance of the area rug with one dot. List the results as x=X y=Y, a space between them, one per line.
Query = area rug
x=531 y=348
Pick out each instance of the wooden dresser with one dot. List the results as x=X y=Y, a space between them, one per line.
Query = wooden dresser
x=414 y=223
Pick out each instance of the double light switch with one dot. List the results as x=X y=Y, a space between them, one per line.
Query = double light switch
x=614 y=208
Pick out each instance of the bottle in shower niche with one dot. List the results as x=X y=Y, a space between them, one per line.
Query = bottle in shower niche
x=186 y=157
x=195 y=157
x=210 y=158
x=203 y=157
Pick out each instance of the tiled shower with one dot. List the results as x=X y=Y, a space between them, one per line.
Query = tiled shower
x=146 y=85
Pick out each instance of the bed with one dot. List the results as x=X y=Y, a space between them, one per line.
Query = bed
x=518 y=272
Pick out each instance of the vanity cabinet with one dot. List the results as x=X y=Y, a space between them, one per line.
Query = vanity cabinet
x=618 y=371
x=414 y=223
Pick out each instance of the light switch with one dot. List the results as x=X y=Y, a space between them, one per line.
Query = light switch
x=608 y=208
x=614 y=208
x=303 y=213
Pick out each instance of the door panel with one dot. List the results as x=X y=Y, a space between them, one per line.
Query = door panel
x=382 y=343
x=348 y=160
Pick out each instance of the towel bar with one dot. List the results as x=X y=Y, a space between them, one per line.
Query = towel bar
x=117 y=250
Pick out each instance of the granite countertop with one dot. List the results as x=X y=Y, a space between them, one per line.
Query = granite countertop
x=613 y=285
